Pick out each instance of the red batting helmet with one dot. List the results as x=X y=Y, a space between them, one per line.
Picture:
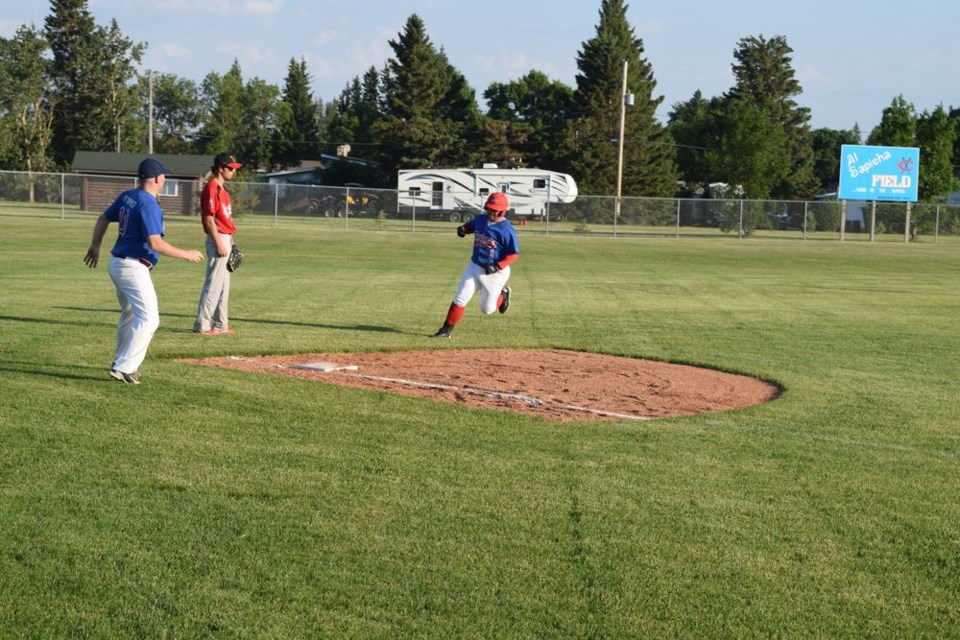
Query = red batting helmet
x=497 y=202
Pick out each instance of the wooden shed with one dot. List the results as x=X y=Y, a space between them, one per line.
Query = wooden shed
x=105 y=175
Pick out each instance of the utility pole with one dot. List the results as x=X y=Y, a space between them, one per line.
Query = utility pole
x=625 y=100
x=150 y=115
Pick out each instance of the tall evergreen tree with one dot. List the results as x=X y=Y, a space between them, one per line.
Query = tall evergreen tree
x=692 y=126
x=428 y=106
x=648 y=167
x=358 y=109
x=298 y=135
x=343 y=125
x=764 y=76
x=93 y=73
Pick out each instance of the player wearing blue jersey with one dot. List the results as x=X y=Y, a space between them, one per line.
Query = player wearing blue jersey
x=138 y=247
x=495 y=248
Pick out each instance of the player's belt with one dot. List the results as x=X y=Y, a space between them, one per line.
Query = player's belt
x=143 y=261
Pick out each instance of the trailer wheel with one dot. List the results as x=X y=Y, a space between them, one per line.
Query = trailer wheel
x=454 y=217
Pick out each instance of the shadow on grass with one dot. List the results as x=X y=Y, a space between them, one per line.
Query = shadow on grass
x=53 y=370
x=265 y=321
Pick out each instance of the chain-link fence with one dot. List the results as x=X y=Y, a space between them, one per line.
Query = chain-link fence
x=68 y=195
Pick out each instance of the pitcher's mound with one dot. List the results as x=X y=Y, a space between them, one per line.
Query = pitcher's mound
x=551 y=383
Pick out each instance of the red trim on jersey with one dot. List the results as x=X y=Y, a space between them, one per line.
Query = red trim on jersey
x=508 y=260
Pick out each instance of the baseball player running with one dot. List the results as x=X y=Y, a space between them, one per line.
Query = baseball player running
x=139 y=246
x=495 y=248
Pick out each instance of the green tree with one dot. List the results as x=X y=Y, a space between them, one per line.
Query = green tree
x=693 y=126
x=222 y=128
x=26 y=101
x=955 y=119
x=764 y=76
x=827 y=144
x=94 y=81
x=241 y=118
x=898 y=125
x=428 y=107
x=590 y=149
x=532 y=112
x=936 y=135
x=177 y=112
x=262 y=113
x=750 y=150
x=298 y=134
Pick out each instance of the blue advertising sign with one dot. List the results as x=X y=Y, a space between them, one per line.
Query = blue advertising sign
x=879 y=173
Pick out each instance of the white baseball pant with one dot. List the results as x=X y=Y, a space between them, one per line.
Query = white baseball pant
x=490 y=286
x=139 y=312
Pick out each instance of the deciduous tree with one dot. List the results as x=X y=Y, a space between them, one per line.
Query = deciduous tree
x=26 y=101
x=533 y=111
x=936 y=135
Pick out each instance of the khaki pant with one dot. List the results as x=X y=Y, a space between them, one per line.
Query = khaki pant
x=212 y=311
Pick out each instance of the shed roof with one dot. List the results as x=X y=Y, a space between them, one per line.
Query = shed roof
x=125 y=164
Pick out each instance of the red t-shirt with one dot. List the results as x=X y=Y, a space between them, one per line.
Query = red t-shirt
x=215 y=201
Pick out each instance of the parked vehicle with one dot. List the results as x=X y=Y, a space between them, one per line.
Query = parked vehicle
x=352 y=201
x=458 y=194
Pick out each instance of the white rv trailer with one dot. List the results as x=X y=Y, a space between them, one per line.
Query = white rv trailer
x=458 y=194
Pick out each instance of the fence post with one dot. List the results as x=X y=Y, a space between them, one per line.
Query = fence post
x=936 y=227
x=740 y=230
x=806 y=211
x=276 y=204
x=63 y=202
x=906 y=224
x=678 y=218
x=843 y=218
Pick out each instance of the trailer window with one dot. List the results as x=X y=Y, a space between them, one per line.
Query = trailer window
x=484 y=191
x=413 y=192
x=539 y=183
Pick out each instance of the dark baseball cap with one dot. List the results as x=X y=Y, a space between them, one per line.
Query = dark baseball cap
x=226 y=160
x=151 y=168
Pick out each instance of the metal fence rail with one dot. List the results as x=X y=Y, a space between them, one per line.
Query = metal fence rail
x=66 y=195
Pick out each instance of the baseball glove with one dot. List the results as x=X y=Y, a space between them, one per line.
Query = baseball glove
x=235 y=259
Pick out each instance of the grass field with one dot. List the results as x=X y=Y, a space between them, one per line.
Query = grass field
x=214 y=503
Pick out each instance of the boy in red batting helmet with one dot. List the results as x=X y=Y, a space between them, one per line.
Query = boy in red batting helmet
x=495 y=248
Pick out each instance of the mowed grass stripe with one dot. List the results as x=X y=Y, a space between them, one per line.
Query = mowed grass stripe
x=209 y=502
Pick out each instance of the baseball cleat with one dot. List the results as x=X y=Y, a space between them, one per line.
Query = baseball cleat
x=506 y=301
x=127 y=378
x=444 y=332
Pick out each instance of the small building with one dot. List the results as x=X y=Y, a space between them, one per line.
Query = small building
x=106 y=174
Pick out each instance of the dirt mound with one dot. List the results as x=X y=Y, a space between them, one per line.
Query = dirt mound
x=552 y=383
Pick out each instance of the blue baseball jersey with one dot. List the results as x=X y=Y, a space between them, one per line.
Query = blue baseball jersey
x=139 y=215
x=491 y=242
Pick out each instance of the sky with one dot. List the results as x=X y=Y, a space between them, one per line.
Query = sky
x=851 y=58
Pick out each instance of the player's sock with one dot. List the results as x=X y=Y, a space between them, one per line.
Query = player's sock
x=454 y=314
